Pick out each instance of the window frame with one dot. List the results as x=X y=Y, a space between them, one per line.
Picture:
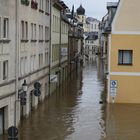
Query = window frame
x=122 y=61
x=5 y=69
x=5 y=33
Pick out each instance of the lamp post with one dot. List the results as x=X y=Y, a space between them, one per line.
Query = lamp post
x=13 y=131
x=24 y=86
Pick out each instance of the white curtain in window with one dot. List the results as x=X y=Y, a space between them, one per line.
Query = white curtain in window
x=127 y=57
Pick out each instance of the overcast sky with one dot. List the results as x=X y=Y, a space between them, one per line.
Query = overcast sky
x=94 y=8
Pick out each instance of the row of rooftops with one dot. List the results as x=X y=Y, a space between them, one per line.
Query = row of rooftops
x=70 y=16
x=80 y=10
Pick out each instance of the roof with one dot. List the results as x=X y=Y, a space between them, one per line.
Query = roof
x=80 y=10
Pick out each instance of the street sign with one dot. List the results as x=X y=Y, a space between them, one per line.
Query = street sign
x=113 y=93
x=37 y=92
x=37 y=85
x=53 y=78
x=12 y=131
x=113 y=84
x=64 y=51
x=113 y=88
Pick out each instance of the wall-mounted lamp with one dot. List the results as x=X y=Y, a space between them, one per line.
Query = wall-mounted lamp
x=24 y=86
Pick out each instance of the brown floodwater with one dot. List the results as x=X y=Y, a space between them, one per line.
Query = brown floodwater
x=73 y=112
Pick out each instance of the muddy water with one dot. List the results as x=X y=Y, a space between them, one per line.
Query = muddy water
x=74 y=112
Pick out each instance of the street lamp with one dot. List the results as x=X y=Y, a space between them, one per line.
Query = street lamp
x=24 y=86
x=13 y=131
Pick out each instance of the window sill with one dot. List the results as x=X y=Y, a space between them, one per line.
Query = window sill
x=47 y=40
x=24 y=40
x=5 y=41
x=46 y=13
x=40 y=10
x=125 y=64
x=40 y=40
x=5 y=79
x=33 y=40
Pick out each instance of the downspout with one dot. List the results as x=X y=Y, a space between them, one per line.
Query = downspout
x=16 y=59
x=50 y=34
x=60 y=51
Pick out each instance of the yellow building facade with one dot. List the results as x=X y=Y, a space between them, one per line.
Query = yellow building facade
x=124 y=54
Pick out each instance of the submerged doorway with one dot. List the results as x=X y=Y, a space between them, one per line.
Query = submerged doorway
x=1 y=121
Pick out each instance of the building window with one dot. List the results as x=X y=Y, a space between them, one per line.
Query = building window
x=46 y=33
x=46 y=58
x=24 y=30
x=33 y=32
x=41 y=4
x=25 y=2
x=125 y=57
x=47 y=9
x=40 y=60
x=5 y=27
x=22 y=66
x=5 y=70
x=40 y=32
x=32 y=63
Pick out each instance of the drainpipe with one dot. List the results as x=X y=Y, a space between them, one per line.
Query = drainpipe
x=60 y=51
x=16 y=59
x=50 y=34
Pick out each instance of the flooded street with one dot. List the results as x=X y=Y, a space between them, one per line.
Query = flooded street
x=74 y=112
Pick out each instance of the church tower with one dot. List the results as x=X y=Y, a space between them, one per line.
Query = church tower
x=81 y=16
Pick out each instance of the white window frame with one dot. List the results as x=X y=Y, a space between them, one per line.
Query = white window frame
x=41 y=4
x=5 y=33
x=46 y=33
x=122 y=55
x=47 y=6
x=24 y=30
x=5 y=69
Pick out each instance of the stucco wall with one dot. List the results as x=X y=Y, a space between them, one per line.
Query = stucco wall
x=127 y=17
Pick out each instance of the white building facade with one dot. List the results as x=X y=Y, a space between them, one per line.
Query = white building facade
x=91 y=44
x=34 y=49
x=7 y=63
x=24 y=55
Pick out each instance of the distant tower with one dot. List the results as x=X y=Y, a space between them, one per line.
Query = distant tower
x=81 y=16
x=80 y=10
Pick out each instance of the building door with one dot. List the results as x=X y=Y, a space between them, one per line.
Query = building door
x=1 y=121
